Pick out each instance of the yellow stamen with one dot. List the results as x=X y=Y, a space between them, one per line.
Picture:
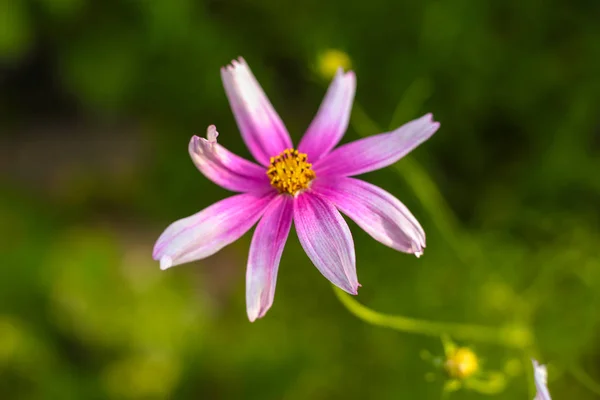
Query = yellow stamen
x=289 y=172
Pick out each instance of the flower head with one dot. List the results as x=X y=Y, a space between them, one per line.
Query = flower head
x=309 y=184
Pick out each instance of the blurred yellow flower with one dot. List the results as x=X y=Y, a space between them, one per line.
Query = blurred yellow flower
x=329 y=62
x=461 y=363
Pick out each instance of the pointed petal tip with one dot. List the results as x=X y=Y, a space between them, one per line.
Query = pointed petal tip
x=354 y=290
x=193 y=142
x=252 y=315
x=255 y=313
x=350 y=288
x=234 y=64
x=540 y=374
x=211 y=137
x=339 y=72
x=418 y=249
x=212 y=134
x=429 y=118
x=229 y=69
x=166 y=262
x=435 y=125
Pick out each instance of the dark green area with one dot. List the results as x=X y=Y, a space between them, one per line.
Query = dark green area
x=98 y=100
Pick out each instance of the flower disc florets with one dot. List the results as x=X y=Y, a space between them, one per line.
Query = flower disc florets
x=289 y=172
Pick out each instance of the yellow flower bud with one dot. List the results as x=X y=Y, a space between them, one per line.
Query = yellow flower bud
x=461 y=363
x=329 y=62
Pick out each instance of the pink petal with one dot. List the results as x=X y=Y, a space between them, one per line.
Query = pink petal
x=327 y=240
x=541 y=377
x=260 y=125
x=225 y=168
x=376 y=211
x=330 y=123
x=265 y=253
x=375 y=152
x=205 y=233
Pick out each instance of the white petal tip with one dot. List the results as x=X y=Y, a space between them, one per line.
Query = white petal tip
x=255 y=313
x=166 y=262
x=429 y=119
x=541 y=381
x=212 y=134
x=540 y=371
x=235 y=64
x=417 y=250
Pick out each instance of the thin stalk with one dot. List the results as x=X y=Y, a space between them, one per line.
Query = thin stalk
x=514 y=337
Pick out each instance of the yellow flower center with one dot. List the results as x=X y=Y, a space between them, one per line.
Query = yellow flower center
x=462 y=363
x=289 y=172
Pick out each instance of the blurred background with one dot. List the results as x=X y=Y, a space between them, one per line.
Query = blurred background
x=98 y=100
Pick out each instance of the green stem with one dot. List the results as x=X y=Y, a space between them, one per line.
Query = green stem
x=515 y=337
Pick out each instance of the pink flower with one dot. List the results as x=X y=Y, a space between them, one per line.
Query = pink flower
x=308 y=185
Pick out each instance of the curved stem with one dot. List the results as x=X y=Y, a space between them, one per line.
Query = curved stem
x=516 y=337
